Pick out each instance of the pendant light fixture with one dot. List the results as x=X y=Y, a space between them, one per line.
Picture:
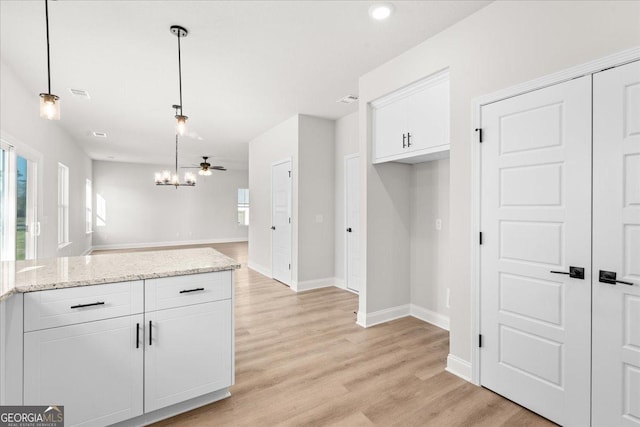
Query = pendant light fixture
x=181 y=119
x=166 y=178
x=49 y=103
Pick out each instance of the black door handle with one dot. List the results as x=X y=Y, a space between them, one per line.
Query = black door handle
x=610 y=278
x=150 y=332
x=408 y=139
x=574 y=272
x=273 y=227
x=349 y=230
x=88 y=305
x=137 y=335
x=404 y=144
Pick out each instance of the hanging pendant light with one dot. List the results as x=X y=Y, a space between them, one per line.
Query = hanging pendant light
x=181 y=119
x=49 y=103
x=166 y=178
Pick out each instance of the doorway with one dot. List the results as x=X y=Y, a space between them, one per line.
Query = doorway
x=352 y=221
x=281 y=190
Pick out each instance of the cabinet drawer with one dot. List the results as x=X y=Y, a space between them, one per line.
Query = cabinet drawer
x=60 y=307
x=169 y=292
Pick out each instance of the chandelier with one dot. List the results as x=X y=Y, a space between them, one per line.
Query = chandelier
x=166 y=178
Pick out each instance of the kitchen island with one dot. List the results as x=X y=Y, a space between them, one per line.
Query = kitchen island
x=126 y=338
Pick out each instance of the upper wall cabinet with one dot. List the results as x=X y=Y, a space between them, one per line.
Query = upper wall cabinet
x=411 y=125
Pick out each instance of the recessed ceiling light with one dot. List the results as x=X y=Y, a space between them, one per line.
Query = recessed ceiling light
x=99 y=134
x=381 y=11
x=348 y=99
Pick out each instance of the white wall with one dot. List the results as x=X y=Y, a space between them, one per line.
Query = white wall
x=139 y=213
x=316 y=199
x=430 y=256
x=22 y=127
x=501 y=45
x=278 y=143
x=346 y=142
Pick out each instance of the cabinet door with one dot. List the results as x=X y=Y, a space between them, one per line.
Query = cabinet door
x=428 y=117
x=94 y=369
x=389 y=126
x=188 y=352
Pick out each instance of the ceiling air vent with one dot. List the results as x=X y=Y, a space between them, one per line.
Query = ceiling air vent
x=348 y=99
x=99 y=134
x=79 y=93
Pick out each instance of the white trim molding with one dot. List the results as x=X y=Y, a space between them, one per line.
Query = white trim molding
x=164 y=244
x=459 y=367
x=307 y=285
x=592 y=67
x=381 y=316
x=259 y=269
x=430 y=316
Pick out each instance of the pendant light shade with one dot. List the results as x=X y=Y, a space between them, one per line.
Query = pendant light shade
x=181 y=119
x=49 y=103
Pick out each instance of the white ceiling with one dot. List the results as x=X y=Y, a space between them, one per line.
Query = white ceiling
x=247 y=66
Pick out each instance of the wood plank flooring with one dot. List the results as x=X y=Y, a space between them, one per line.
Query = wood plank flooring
x=302 y=361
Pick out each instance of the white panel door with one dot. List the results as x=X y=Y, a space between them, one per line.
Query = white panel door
x=94 y=369
x=535 y=220
x=281 y=222
x=390 y=128
x=616 y=246
x=187 y=353
x=352 y=221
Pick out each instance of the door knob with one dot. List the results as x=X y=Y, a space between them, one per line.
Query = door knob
x=349 y=230
x=574 y=272
x=610 y=278
x=273 y=227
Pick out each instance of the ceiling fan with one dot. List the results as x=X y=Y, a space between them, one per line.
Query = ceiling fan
x=205 y=167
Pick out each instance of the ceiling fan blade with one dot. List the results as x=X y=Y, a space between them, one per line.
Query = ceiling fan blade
x=189 y=167
x=220 y=168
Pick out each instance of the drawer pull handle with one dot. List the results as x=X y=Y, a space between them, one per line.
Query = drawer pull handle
x=137 y=335
x=88 y=305
x=150 y=332
x=191 y=290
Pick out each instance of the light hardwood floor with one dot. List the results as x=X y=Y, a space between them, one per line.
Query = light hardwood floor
x=302 y=361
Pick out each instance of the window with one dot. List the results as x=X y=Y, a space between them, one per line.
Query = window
x=63 y=205
x=243 y=206
x=88 y=190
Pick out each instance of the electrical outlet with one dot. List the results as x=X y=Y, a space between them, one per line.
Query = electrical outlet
x=438 y=224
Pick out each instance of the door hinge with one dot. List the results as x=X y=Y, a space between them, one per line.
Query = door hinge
x=289 y=266
x=480 y=340
x=479 y=130
x=289 y=174
x=480 y=237
x=289 y=220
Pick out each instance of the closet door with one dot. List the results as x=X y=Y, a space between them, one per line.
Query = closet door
x=536 y=225
x=616 y=246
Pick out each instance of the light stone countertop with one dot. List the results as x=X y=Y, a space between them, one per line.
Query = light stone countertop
x=68 y=272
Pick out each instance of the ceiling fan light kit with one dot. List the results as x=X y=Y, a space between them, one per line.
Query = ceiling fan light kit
x=49 y=103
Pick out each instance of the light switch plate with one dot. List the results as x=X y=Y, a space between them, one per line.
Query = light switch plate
x=438 y=224
x=319 y=218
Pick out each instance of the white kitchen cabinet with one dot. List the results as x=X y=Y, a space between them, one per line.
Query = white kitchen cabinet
x=94 y=369
x=188 y=352
x=412 y=125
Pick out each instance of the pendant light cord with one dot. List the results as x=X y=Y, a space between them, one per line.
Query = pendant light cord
x=46 y=14
x=176 y=154
x=179 y=71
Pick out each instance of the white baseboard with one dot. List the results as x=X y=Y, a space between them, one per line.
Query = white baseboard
x=163 y=244
x=382 y=316
x=459 y=367
x=88 y=251
x=260 y=269
x=361 y=319
x=429 y=316
x=307 y=285
x=339 y=283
